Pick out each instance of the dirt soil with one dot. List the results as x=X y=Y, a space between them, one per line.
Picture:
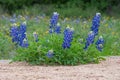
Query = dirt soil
x=106 y=70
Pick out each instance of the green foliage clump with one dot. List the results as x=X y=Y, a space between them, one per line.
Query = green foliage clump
x=36 y=53
x=6 y=47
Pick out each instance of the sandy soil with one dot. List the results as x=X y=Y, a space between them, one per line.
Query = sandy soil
x=106 y=70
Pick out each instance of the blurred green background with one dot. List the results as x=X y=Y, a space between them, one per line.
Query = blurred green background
x=85 y=8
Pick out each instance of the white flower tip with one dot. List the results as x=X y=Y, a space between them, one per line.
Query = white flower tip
x=58 y=24
x=68 y=27
x=20 y=16
x=81 y=39
x=90 y=32
x=85 y=22
x=14 y=24
x=25 y=33
x=100 y=45
x=24 y=40
x=72 y=29
x=51 y=51
x=55 y=13
x=100 y=37
x=98 y=14
x=34 y=32
x=24 y=23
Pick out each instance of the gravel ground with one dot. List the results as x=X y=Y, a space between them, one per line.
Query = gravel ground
x=106 y=70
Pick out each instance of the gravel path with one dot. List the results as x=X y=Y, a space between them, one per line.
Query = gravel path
x=106 y=70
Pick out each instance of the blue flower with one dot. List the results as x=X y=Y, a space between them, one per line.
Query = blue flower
x=53 y=21
x=68 y=37
x=89 y=39
x=96 y=23
x=50 y=54
x=22 y=27
x=25 y=43
x=51 y=31
x=18 y=34
x=22 y=33
x=14 y=33
x=100 y=43
x=58 y=28
x=35 y=35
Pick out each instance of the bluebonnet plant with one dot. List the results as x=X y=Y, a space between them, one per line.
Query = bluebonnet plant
x=14 y=33
x=50 y=53
x=53 y=22
x=96 y=23
x=23 y=27
x=19 y=34
x=25 y=43
x=58 y=28
x=100 y=43
x=89 y=39
x=35 y=35
x=13 y=19
x=54 y=19
x=68 y=37
x=22 y=33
